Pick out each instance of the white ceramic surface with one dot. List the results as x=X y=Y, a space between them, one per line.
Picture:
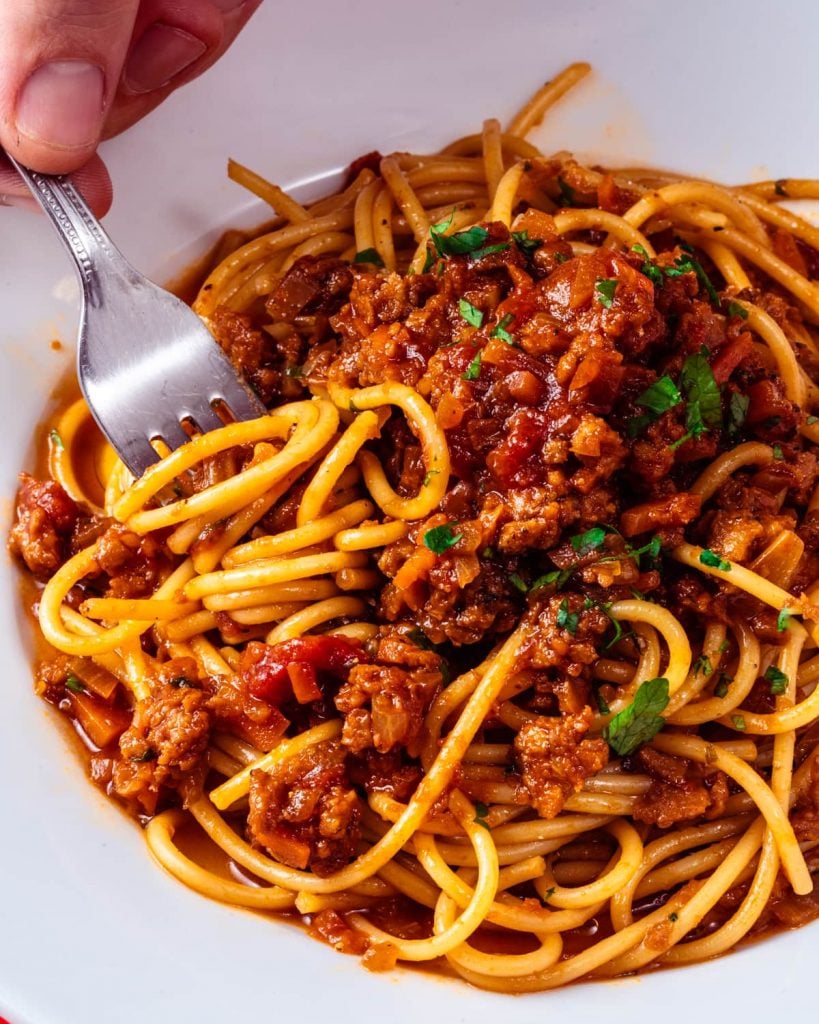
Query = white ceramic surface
x=90 y=929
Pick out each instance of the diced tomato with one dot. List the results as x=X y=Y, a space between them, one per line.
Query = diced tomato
x=266 y=668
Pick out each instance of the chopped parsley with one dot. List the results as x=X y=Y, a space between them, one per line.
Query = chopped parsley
x=721 y=689
x=782 y=620
x=649 y=267
x=673 y=917
x=526 y=244
x=481 y=811
x=566 y=193
x=724 y=647
x=369 y=256
x=641 y=720
x=737 y=411
x=74 y=685
x=739 y=722
x=702 y=666
x=501 y=332
x=777 y=453
x=429 y=475
x=778 y=680
x=811 y=420
x=591 y=540
x=56 y=440
x=518 y=583
x=713 y=560
x=473 y=371
x=688 y=264
x=460 y=243
x=487 y=250
x=737 y=309
x=565 y=619
x=704 y=404
x=558 y=577
x=604 y=289
x=657 y=398
x=441 y=538
x=420 y=639
x=470 y=313
x=294 y=371
x=602 y=703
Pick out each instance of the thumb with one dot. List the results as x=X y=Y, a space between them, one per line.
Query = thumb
x=60 y=62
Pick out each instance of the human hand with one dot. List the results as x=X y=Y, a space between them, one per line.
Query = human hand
x=75 y=71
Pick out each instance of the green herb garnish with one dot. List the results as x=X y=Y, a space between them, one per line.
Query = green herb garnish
x=591 y=540
x=473 y=371
x=739 y=722
x=737 y=309
x=74 y=685
x=501 y=332
x=481 y=811
x=369 y=256
x=429 y=475
x=565 y=619
x=56 y=440
x=782 y=620
x=604 y=289
x=713 y=560
x=641 y=720
x=778 y=680
x=649 y=267
x=518 y=583
x=470 y=313
x=441 y=538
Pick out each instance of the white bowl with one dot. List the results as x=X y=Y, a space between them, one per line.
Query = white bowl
x=91 y=930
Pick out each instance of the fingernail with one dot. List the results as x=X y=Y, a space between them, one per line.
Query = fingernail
x=62 y=104
x=160 y=54
x=19 y=202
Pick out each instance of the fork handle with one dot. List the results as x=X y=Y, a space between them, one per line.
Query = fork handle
x=81 y=232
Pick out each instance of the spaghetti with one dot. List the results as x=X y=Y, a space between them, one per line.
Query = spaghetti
x=493 y=644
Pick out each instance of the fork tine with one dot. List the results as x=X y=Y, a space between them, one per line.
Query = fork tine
x=136 y=452
x=173 y=435
x=242 y=404
x=205 y=418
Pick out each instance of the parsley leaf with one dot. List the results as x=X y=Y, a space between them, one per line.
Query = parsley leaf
x=687 y=264
x=501 y=332
x=660 y=396
x=481 y=811
x=739 y=722
x=74 y=685
x=420 y=639
x=777 y=453
x=526 y=244
x=294 y=371
x=737 y=411
x=702 y=666
x=778 y=680
x=518 y=583
x=566 y=193
x=641 y=720
x=591 y=540
x=649 y=267
x=458 y=244
x=737 y=309
x=721 y=689
x=368 y=256
x=473 y=371
x=470 y=313
x=487 y=250
x=602 y=703
x=56 y=440
x=704 y=403
x=429 y=475
x=558 y=577
x=565 y=619
x=604 y=289
x=713 y=560
x=782 y=620
x=440 y=538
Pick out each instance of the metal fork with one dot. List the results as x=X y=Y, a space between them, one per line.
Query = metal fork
x=145 y=361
